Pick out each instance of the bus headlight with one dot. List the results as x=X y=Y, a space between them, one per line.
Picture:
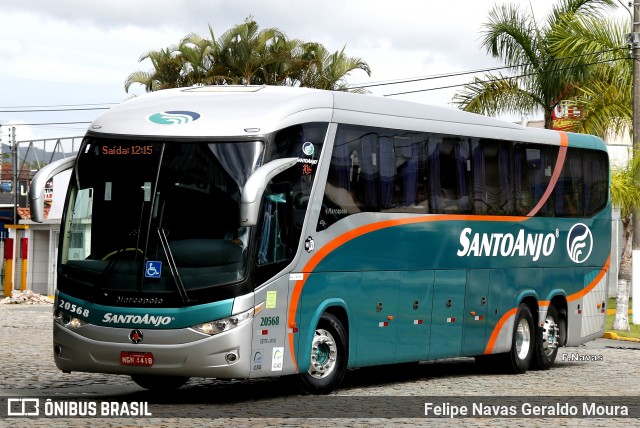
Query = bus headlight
x=224 y=324
x=67 y=320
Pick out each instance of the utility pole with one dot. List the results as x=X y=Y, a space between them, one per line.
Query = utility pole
x=634 y=39
x=14 y=180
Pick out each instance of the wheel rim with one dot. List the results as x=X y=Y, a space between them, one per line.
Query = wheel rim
x=523 y=339
x=323 y=354
x=550 y=334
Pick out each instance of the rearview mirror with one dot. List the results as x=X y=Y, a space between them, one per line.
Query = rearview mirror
x=254 y=188
x=36 y=190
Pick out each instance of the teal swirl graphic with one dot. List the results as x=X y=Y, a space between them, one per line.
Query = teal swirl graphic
x=176 y=117
x=579 y=243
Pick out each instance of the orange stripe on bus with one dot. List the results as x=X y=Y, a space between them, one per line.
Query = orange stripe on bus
x=562 y=154
x=363 y=230
x=575 y=296
x=592 y=284
x=496 y=330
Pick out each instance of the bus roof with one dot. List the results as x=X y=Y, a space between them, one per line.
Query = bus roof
x=241 y=111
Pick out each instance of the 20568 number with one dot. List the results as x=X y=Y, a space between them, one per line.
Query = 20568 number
x=267 y=321
x=73 y=308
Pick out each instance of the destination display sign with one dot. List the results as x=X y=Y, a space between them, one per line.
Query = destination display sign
x=122 y=150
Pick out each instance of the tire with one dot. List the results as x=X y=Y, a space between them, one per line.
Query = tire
x=328 y=358
x=159 y=383
x=523 y=342
x=548 y=340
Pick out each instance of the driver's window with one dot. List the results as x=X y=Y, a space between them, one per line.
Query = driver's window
x=278 y=231
x=78 y=240
x=279 y=228
x=273 y=238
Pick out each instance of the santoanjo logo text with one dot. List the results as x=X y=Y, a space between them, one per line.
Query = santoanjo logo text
x=506 y=244
x=145 y=319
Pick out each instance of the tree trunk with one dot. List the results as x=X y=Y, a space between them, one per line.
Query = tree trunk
x=621 y=320
x=627 y=247
x=548 y=119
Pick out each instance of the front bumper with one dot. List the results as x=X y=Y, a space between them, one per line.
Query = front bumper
x=176 y=352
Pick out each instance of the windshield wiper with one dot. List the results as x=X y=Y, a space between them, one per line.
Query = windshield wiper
x=172 y=266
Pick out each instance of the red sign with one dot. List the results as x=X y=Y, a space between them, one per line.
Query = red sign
x=566 y=115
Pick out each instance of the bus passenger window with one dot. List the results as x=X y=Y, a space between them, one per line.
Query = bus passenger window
x=343 y=178
x=533 y=166
x=541 y=177
x=595 y=170
x=449 y=165
x=568 y=190
x=492 y=178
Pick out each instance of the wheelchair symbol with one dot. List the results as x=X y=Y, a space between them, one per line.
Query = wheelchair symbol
x=153 y=269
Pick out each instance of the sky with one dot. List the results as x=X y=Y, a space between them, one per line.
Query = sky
x=76 y=54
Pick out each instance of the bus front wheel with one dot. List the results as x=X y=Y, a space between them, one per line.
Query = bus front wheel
x=328 y=360
x=523 y=344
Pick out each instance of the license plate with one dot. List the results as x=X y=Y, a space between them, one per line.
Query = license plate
x=144 y=359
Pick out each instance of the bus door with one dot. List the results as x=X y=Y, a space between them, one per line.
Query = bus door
x=475 y=313
x=413 y=322
x=376 y=317
x=447 y=315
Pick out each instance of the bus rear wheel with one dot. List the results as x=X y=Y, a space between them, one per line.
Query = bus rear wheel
x=159 y=383
x=523 y=344
x=548 y=341
x=328 y=360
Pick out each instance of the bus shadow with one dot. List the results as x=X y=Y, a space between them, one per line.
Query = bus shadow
x=213 y=391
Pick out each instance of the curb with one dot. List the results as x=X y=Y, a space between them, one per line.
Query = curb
x=611 y=311
x=615 y=336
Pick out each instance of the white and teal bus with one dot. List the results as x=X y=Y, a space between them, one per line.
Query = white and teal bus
x=251 y=231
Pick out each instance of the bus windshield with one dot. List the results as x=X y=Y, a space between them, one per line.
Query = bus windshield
x=156 y=219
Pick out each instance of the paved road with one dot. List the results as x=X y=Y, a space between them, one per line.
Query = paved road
x=602 y=372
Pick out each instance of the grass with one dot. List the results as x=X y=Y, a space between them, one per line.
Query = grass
x=635 y=328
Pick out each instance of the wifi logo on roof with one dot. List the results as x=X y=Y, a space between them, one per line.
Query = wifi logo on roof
x=176 y=117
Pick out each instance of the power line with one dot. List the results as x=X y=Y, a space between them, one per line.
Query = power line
x=54 y=110
x=497 y=79
x=72 y=107
x=42 y=124
x=60 y=105
x=463 y=73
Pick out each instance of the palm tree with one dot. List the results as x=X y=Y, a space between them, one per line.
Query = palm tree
x=244 y=52
x=197 y=55
x=326 y=70
x=167 y=68
x=285 y=63
x=249 y=56
x=625 y=194
x=596 y=55
x=540 y=81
